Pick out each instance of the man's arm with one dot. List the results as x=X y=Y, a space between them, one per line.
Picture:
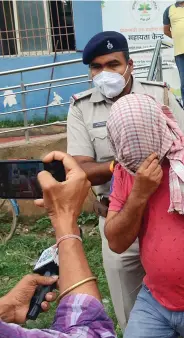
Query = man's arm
x=81 y=148
x=97 y=173
x=167 y=31
x=80 y=311
x=167 y=23
x=121 y=229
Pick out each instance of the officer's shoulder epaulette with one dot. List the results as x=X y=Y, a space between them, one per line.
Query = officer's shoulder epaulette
x=76 y=97
x=155 y=83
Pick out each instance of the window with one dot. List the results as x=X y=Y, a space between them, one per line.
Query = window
x=36 y=27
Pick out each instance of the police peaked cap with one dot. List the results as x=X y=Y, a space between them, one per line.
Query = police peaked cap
x=104 y=43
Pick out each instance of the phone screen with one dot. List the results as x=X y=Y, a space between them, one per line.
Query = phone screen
x=18 y=179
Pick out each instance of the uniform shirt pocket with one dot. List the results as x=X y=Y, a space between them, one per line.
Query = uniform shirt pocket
x=102 y=148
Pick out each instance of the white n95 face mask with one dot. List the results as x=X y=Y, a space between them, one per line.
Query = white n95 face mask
x=110 y=84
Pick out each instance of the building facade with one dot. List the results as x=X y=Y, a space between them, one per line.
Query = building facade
x=34 y=33
x=40 y=32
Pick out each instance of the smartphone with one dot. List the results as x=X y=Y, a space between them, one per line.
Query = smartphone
x=18 y=178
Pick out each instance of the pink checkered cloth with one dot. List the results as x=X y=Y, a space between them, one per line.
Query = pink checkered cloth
x=138 y=126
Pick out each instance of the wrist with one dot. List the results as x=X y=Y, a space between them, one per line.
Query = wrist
x=63 y=219
x=6 y=310
x=61 y=233
x=65 y=225
x=140 y=198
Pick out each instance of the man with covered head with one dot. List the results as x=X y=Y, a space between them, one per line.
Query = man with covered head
x=111 y=67
x=147 y=201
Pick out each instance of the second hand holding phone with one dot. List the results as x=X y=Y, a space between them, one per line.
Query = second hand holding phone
x=47 y=265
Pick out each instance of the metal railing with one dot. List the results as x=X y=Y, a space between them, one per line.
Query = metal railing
x=143 y=74
x=155 y=71
x=23 y=92
x=64 y=63
x=25 y=89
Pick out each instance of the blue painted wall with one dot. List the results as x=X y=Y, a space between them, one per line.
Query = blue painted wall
x=87 y=22
x=39 y=98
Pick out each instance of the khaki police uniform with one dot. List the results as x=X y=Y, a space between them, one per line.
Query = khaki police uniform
x=87 y=136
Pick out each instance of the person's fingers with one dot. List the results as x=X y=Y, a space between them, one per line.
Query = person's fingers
x=148 y=161
x=153 y=166
x=157 y=170
x=68 y=161
x=77 y=174
x=39 y=202
x=51 y=296
x=52 y=156
x=43 y=280
x=159 y=176
x=45 y=306
x=46 y=180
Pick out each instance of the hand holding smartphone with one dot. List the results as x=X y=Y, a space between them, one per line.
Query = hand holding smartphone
x=18 y=178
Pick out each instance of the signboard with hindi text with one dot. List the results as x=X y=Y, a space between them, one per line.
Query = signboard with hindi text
x=142 y=24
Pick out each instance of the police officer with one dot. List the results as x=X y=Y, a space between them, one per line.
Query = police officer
x=107 y=55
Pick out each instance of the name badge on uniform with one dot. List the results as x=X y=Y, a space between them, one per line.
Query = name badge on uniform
x=99 y=124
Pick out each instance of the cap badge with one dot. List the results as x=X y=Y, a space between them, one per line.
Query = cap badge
x=109 y=45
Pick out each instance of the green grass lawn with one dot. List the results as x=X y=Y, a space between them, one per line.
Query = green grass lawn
x=18 y=257
x=7 y=123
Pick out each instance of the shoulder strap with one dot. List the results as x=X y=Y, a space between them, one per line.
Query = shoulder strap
x=166 y=96
x=82 y=95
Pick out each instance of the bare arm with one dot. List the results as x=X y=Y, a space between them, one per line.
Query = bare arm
x=121 y=229
x=167 y=22
x=74 y=267
x=167 y=31
x=63 y=201
x=97 y=173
